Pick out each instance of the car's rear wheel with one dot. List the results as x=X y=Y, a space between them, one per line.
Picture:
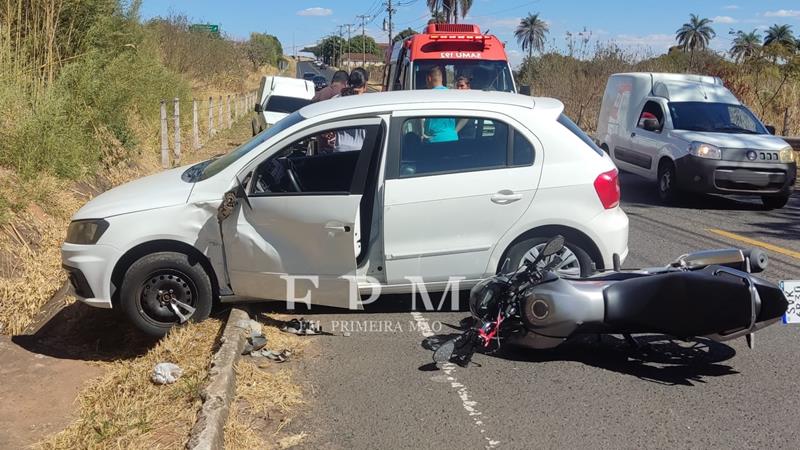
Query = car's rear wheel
x=667 y=182
x=165 y=289
x=575 y=260
x=771 y=202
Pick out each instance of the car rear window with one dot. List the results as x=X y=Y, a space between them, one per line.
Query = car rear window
x=576 y=130
x=288 y=105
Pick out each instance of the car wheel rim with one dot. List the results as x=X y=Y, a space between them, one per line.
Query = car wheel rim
x=167 y=297
x=666 y=181
x=570 y=265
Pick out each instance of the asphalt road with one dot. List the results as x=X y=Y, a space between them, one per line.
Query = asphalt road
x=377 y=389
x=307 y=66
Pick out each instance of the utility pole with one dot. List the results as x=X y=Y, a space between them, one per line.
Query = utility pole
x=390 y=10
x=363 y=18
x=349 y=58
x=341 y=50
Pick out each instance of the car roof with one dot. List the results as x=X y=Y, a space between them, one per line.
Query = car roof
x=414 y=99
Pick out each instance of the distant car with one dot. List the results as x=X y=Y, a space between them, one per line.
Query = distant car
x=309 y=76
x=320 y=82
x=318 y=63
x=323 y=66
x=278 y=97
x=377 y=212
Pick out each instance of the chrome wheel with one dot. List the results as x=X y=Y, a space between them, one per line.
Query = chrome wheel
x=167 y=296
x=570 y=265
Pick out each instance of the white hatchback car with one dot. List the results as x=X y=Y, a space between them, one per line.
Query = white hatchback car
x=385 y=190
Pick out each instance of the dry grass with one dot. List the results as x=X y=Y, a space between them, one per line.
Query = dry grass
x=266 y=397
x=124 y=409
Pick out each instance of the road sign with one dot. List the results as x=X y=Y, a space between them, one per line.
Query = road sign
x=205 y=27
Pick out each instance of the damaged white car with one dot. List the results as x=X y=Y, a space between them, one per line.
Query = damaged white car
x=361 y=192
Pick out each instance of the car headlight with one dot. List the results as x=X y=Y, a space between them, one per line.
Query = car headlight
x=786 y=155
x=703 y=150
x=86 y=232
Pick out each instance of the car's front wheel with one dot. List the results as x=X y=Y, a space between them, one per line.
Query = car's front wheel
x=771 y=202
x=163 y=289
x=667 y=186
x=575 y=261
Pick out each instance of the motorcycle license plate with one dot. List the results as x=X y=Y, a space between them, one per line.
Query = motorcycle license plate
x=791 y=289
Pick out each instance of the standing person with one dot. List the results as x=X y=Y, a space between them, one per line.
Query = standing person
x=338 y=82
x=439 y=129
x=356 y=83
x=350 y=139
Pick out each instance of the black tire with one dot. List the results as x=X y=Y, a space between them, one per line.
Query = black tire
x=254 y=124
x=771 y=202
x=520 y=249
x=667 y=182
x=149 y=283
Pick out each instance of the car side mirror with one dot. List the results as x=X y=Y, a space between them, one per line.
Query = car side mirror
x=650 y=124
x=259 y=108
x=525 y=89
x=770 y=129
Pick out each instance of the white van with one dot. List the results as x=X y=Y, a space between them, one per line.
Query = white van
x=688 y=132
x=279 y=97
x=386 y=190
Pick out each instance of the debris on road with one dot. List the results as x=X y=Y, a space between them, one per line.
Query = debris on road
x=302 y=327
x=280 y=357
x=166 y=373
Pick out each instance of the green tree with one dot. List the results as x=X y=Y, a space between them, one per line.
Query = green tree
x=408 y=32
x=330 y=49
x=263 y=49
x=780 y=35
x=449 y=9
x=695 y=35
x=363 y=44
x=745 y=46
x=530 y=33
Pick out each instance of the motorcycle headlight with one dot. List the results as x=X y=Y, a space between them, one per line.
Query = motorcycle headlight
x=703 y=150
x=86 y=232
x=786 y=155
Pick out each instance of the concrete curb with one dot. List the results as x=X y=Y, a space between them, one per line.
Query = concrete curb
x=208 y=432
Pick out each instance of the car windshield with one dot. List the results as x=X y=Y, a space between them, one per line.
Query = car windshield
x=281 y=104
x=211 y=167
x=482 y=75
x=714 y=117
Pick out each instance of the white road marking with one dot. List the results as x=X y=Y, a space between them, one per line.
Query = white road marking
x=449 y=369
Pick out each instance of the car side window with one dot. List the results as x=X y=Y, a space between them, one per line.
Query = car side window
x=651 y=111
x=324 y=162
x=441 y=145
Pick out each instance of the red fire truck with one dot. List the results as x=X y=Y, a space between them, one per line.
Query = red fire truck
x=459 y=50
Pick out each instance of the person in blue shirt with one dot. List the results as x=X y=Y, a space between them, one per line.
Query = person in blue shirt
x=438 y=129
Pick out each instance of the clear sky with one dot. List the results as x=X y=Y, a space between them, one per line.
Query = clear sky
x=646 y=26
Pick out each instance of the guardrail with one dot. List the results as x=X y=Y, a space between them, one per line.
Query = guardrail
x=220 y=112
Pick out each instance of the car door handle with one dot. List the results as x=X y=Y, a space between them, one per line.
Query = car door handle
x=505 y=197
x=337 y=227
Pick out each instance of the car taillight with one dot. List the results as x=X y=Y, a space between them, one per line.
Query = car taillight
x=607 y=187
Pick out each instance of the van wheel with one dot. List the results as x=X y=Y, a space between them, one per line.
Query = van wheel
x=165 y=289
x=770 y=202
x=667 y=182
x=576 y=261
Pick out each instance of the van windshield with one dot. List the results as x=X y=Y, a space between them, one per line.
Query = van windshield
x=211 y=167
x=282 y=104
x=482 y=75
x=714 y=117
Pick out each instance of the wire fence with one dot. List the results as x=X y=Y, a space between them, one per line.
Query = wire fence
x=209 y=117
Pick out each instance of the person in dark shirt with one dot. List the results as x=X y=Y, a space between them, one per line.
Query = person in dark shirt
x=338 y=82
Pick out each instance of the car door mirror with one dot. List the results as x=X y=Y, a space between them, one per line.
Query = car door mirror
x=525 y=89
x=259 y=108
x=770 y=129
x=650 y=124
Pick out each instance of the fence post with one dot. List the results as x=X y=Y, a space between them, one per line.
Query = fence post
x=228 y=111
x=195 y=126
x=177 y=117
x=210 y=117
x=164 y=136
x=221 y=110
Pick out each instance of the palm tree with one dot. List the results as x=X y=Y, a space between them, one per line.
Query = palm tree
x=449 y=8
x=780 y=35
x=745 y=45
x=530 y=33
x=695 y=35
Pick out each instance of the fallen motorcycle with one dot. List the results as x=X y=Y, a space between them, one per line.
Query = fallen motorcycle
x=710 y=293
